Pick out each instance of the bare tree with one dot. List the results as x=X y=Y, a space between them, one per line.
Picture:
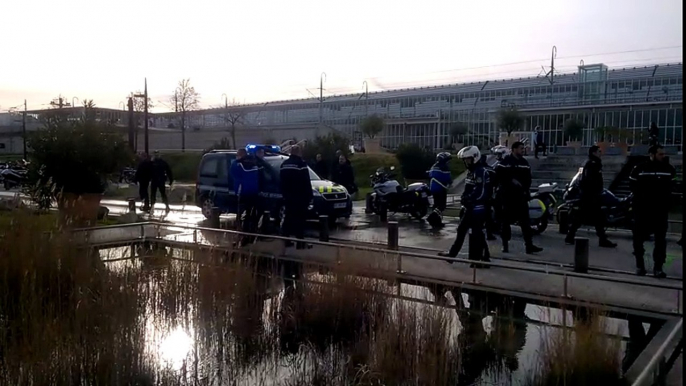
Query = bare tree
x=232 y=115
x=139 y=108
x=185 y=99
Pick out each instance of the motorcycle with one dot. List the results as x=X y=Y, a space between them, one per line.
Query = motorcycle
x=389 y=195
x=13 y=176
x=617 y=211
x=541 y=208
x=128 y=175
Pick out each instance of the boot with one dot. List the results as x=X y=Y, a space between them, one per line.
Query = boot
x=446 y=254
x=506 y=248
x=531 y=249
x=640 y=265
x=606 y=243
x=658 y=273
x=569 y=240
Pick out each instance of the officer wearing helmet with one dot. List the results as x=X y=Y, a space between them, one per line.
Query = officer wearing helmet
x=474 y=199
x=440 y=182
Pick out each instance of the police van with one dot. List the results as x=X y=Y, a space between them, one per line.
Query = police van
x=214 y=186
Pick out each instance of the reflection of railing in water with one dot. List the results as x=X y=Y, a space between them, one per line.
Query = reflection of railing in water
x=398 y=254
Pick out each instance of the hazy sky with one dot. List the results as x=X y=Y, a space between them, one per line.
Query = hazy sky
x=258 y=50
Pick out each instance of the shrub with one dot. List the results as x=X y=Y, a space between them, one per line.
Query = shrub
x=327 y=147
x=74 y=157
x=573 y=129
x=184 y=165
x=414 y=160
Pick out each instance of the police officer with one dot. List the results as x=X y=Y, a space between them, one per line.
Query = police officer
x=490 y=223
x=296 y=189
x=591 y=187
x=651 y=184
x=143 y=177
x=245 y=175
x=161 y=172
x=514 y=179
x=474 y=198
x=440 y=182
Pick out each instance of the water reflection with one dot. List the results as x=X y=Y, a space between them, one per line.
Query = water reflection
x=227 y=319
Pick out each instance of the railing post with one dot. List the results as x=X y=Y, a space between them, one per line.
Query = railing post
x=324 y=228
x=132 y=205
x=581 y=254
x=214 y=219
x=383 y=212
x=393 y=235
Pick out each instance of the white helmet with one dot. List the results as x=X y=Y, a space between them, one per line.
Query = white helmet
x=469 y=152
x=500 y=151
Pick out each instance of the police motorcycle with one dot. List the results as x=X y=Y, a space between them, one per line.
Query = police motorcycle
x=389 y=196
x=13 y=175
x=617 y=211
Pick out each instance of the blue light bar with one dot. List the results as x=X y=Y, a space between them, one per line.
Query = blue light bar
x=251 y=148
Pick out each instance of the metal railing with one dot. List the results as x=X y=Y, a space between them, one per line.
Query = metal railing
x=654 y=370
x=393 y=249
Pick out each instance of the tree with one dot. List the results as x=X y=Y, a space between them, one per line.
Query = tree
x=139 y=107
x=372 y=126
x=509 y=119
x=573 y=129
x=458 y=129
x=74 y=157
x=232 y=115
x=185 y=99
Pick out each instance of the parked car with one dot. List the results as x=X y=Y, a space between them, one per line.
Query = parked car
x=214 y=187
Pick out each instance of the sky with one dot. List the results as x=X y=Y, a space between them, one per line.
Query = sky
x=259 y=50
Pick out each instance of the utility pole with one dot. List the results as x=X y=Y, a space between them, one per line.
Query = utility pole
x=23 y=129
x=145 y=115
x=131 y=125
x=321 y=97
x=147 y=143
x=366 y=98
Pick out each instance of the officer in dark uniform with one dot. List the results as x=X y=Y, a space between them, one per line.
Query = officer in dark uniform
x=476 y=193
x=590 y=205
x=514 y=179
x=490 y=223
x=296 y=189
x=245 y=175
x=651 y=184
x=143 y=177
x=161 y=172
x=440 y=182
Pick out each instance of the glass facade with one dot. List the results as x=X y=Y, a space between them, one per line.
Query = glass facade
x=627 y=99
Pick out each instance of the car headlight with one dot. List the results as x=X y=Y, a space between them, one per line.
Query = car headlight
x=316 y=193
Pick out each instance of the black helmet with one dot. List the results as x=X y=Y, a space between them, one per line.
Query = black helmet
x=443 y=157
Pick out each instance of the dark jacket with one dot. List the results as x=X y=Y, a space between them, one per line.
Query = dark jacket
x=245 y=175
x=295 y=180
x=591 y=183
x=161 y=172
x=322 y=169
x=651 y=184
x=345 y=176
x=539 y=138
x=144 y=171
x=514 y=178
x=477 y=190
x=440 y=177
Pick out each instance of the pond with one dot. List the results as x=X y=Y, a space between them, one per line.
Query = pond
x=233 y=321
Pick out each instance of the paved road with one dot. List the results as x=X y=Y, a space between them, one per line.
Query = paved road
x=415 y=234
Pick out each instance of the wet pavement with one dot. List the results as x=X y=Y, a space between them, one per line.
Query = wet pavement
x=419 y=235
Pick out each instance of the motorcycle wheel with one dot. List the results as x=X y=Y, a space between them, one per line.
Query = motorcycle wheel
x=540 y=226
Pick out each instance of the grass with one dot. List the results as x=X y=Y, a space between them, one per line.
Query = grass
x=66 y=317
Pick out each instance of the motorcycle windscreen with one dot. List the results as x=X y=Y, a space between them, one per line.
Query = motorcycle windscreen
x=536 y=209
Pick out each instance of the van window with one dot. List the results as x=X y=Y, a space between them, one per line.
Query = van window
x=209 y=167
x=276 y=164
